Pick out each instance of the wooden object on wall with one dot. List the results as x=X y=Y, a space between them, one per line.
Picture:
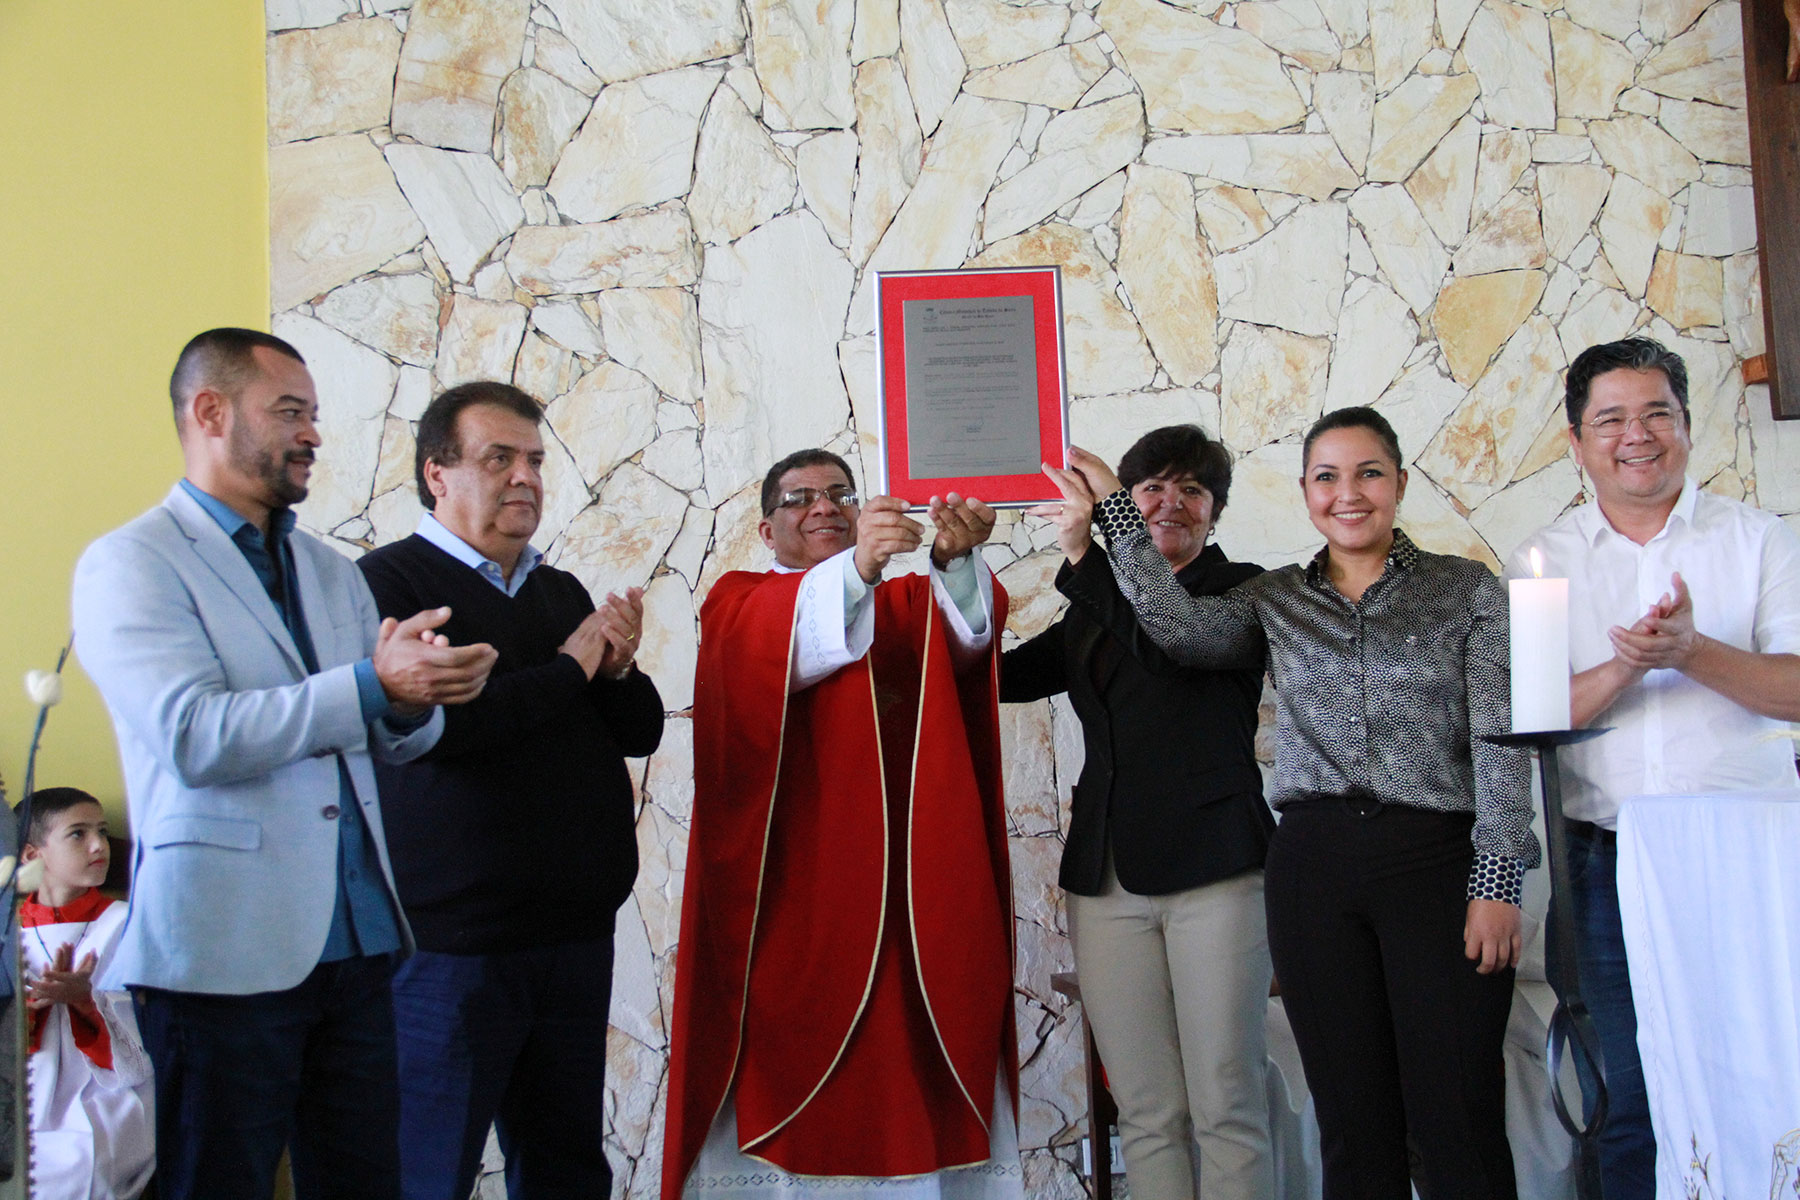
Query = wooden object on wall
x=1774 y=112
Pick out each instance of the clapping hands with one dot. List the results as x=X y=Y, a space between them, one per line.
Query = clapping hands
x=419 y=668
x=63 y=982
x=1664 y=637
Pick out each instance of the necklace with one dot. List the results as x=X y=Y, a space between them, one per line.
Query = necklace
x=56 y=914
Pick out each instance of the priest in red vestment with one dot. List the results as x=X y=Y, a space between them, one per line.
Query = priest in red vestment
x=843 y=993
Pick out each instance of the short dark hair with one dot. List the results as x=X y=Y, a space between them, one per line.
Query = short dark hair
x=1175 y=451
x=1357 y=416
x=436 y=439
x=44 y=805
x=1634 y=354
x=220 y=358
x=771 y=488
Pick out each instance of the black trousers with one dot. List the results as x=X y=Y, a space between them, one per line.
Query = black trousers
x=1397 y=1031
x=514 y=1039
x=238 y=1078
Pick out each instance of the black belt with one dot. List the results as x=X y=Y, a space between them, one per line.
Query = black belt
x=1358 y=801
x=1587 y=831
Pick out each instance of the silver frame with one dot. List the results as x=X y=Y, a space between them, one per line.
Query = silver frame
x=1062 y=370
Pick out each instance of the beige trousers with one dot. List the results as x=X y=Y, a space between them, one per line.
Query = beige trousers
x=1176 y=990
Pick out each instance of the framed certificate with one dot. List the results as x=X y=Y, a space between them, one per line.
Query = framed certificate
x=972 y=384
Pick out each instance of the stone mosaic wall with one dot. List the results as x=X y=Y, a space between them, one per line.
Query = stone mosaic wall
x=662 y=217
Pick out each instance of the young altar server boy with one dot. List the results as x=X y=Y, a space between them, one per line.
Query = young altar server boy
x=91 y=1090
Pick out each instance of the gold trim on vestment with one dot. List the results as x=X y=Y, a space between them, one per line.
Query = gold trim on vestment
x=912 y=917
x=762 y=865
x=880 y=924
x=1012 y=915
x=915 y=1175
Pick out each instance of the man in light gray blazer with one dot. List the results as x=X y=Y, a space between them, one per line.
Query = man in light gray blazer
x=250 y=683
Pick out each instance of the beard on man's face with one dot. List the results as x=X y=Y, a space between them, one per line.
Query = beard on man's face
x=271 y=470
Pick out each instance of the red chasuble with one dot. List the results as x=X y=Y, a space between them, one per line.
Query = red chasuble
x=846 y=927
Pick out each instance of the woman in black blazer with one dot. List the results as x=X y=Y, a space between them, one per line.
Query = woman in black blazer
x=1167 y=834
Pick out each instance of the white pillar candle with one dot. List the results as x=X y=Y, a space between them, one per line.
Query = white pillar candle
x=1540 y=652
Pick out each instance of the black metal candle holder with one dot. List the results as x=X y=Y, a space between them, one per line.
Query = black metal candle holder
x=1571 y=1025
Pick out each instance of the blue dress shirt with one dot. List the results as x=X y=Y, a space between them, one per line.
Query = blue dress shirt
x=362 y=919
x=439 y=535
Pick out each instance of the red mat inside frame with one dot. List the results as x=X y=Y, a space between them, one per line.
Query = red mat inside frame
x=1040 y=283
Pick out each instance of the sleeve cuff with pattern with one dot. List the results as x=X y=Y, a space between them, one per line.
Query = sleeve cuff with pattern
x=1497 y=877
x=1118 y=514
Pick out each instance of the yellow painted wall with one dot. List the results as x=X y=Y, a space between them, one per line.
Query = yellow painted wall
x=133 y=214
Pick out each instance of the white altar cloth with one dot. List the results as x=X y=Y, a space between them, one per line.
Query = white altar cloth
x=1709 y=890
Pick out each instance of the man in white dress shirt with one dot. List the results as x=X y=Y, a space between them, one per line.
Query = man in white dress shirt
x=1684 y=636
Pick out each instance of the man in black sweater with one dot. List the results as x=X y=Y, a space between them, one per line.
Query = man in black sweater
x=512 y=841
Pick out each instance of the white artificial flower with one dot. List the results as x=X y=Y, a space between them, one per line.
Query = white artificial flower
x=44 y=688
x=29 y=878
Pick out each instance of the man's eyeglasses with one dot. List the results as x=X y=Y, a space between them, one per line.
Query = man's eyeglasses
x=1613 y=425
x=841 y=496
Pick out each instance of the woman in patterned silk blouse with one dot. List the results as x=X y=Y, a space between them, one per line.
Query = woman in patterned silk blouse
x=1395 y=874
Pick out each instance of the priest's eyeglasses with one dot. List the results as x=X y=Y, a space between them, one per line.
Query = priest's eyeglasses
x=1613 y=425
x=840 y=495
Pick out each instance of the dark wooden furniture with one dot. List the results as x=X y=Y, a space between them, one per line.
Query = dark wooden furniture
x=1774 y=113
